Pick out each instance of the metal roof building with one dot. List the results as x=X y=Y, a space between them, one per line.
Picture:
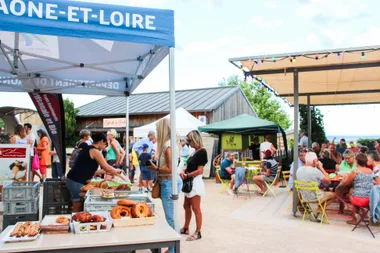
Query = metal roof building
x=212 y=104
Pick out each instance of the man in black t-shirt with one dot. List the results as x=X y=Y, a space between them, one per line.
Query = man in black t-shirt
x=147 y=178
x=255 y=148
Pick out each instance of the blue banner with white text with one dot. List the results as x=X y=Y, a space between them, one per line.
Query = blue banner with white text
x=88 y=20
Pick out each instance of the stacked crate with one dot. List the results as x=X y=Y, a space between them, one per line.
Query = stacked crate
x=56 y=198
x=21 y=202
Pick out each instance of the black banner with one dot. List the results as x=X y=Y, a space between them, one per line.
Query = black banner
x=51 y=110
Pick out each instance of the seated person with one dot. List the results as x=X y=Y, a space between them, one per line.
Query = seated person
x=269 y=173
x=362 y=181
x=349 y=163
x=227 y=168
x=328 y=163
x=336 y=156
x=301 y=161
x=313 y=171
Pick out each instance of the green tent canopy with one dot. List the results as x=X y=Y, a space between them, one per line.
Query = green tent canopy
x=242 y=124
x=245 y=124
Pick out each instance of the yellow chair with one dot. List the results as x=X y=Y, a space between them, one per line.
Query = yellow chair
x=286 y=176
x=310 y=186
x=270 y=184
x=225 y=182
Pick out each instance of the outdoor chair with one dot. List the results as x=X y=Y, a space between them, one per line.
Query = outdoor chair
x=271 y=184
x=307 y=210
x=362 y=211
x=286 y=176
x=225 y=182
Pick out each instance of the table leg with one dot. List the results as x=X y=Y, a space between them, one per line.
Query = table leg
x=177 y=247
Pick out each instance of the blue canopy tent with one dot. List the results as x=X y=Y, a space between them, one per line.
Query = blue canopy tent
x=84 y=48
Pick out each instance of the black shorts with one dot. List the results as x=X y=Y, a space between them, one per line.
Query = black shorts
x=226 y=177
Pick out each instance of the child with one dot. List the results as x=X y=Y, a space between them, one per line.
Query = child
x=146 y=173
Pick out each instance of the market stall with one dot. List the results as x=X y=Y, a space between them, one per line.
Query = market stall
x=55 y=47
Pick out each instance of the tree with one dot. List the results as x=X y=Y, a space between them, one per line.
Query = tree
x=263 y=102
x=70 y=122
x=317 y=126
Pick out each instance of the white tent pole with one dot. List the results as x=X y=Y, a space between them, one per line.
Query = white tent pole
x=309 y=122
x=173 y=139
x=127 y=132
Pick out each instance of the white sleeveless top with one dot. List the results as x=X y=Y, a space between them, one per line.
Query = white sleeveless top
x=21 y=141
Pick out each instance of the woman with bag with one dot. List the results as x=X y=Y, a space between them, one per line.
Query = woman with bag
x=193 y=186
x=164 y=171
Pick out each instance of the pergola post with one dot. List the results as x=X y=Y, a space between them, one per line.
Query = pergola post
x=173 y=139
x=296 y=134
x=309 y=122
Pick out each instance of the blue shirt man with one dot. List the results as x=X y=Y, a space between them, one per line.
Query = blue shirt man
x=226 y=166
x=138 y=146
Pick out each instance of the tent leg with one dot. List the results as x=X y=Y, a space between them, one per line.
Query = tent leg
x=295 y=147
x=16 y=52
x=127 y=133
x=173 y=139
x=309 y=122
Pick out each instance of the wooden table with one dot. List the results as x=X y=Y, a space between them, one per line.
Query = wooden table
x=153 y=237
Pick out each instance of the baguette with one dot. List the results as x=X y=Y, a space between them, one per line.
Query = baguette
x=27 y=227
x=34 y=229
x=20 y=231
x=15 y=230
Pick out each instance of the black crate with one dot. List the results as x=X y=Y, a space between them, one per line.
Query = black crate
x=55 y=192
x=9 y=220
x=54 y=209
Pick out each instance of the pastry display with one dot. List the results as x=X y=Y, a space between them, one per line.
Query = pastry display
x=141 y=210
x=98 y=218
x=63 y=220
x=28 y=229
x=119 y=212
x=126 y=202
x=106 y=193
x=86 y=217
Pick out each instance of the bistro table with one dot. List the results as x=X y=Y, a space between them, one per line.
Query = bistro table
x=153 y=237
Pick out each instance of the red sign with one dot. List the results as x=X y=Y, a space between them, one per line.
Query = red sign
x=12 y=152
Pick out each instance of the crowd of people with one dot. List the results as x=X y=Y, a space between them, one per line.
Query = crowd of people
x=358 y=166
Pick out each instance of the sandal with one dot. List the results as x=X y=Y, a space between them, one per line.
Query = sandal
x=195 y=236
x=184 y=231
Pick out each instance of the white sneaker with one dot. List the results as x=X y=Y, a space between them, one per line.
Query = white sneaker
x=231 y=192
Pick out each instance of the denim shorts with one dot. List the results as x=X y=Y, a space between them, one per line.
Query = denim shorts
x=146 y=175
x=74 y=188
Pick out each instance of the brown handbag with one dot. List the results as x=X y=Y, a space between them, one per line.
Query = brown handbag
x=156 y=190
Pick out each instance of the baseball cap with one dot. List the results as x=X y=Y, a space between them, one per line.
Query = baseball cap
x=145 y=146
x=268 y=152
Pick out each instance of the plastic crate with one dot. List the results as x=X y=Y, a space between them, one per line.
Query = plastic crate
x=21 y=207
x=9 y=220
x=55 y=192
x=99 y=204
x=64 y=208
x=20 y=191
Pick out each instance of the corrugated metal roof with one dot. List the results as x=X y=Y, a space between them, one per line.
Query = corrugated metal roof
x=195 y=100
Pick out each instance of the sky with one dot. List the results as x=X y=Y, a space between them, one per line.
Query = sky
x=209 y=32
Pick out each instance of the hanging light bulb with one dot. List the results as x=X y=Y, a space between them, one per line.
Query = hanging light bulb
x=316 y=56
x=294 y=59
x=262 y=61
x=241 y=67
x=258 y=61
x=273 y=59
x=339 y=55
x=363 y=55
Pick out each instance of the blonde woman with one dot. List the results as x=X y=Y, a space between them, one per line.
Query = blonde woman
x=114 y=150
x=165 y=170
x=20 y=136
x=194 y=172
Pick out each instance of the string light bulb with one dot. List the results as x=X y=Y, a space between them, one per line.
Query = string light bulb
x=316 y=56
x=363 y=55
x=274 y=59
x=293 y=59
x=241 y=67
x=339 y=55
x=262 y=61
